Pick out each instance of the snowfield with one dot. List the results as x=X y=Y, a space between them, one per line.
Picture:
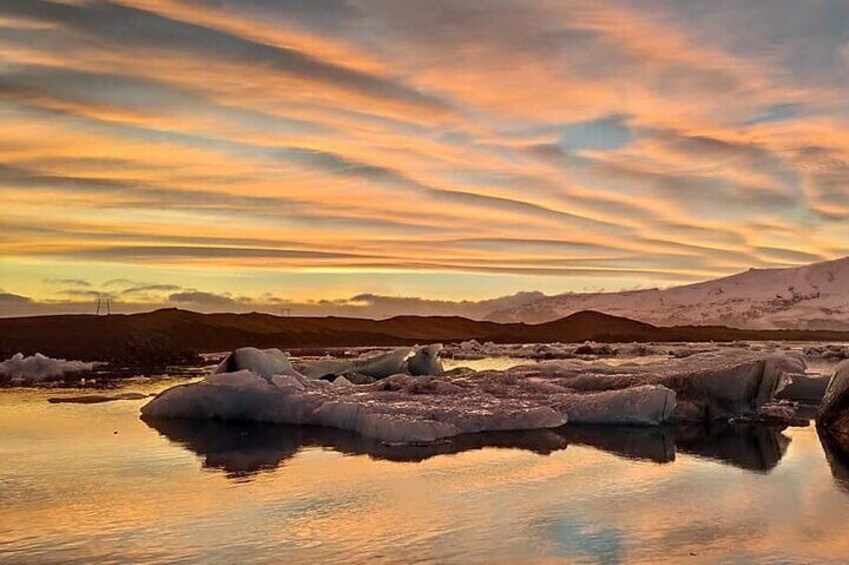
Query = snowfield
x=812 y=297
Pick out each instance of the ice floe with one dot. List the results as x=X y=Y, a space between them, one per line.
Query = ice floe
x=39 y=367
x=400 y=408
x=378 y=396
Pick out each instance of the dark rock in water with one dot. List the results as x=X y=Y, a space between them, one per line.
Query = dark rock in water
x=833 y=414
x=360 y=379
x=781 y=413
x=590 y=349
x=96 y=398
x=805 y=389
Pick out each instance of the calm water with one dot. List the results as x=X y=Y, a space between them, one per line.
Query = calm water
x=74 y=490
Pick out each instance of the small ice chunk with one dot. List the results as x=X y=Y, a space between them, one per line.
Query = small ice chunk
x=39 y=367
x=426 y=361
x=379 y=366
x=263 y=362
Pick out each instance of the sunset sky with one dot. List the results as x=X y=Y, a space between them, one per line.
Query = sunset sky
x=242 y=154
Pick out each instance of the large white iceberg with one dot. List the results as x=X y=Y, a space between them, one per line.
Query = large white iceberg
x=39 y=367
x=403 y=408
x=400 y=408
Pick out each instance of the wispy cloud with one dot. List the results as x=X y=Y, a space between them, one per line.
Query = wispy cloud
x=386 y=147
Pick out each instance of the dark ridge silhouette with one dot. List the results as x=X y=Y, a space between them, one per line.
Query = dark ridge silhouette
x=172 y=335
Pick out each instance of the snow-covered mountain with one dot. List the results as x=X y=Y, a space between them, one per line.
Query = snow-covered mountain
x=812 y=297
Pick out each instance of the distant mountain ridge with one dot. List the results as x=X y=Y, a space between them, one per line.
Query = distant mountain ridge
x=813 y=297
x=169 y=335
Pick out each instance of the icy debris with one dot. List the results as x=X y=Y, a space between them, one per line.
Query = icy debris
x=471 y=345
x=829 y=351
x=712 y=385
x=591 y=348
x=39 y=367
x=472 y=349
x=263 y=362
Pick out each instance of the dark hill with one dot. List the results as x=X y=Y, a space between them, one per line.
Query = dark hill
x=169 y=335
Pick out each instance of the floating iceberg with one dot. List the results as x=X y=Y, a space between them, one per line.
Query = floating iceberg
x=402 y=408
x=399 y=409
x=39 y=367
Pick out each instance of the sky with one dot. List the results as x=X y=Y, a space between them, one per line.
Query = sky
x=324 y=155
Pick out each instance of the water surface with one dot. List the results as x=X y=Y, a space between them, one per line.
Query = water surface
x=83 y=483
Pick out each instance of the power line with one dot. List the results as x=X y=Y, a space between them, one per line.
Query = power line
x=103 y=303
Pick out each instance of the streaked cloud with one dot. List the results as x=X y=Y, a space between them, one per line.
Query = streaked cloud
x=342 y=148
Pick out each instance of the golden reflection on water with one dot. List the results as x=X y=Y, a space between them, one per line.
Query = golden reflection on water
x=71 y=489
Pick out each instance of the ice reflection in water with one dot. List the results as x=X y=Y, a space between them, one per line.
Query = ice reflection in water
x=193 y=492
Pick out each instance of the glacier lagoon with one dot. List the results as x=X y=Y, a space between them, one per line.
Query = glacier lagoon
x=83 y=482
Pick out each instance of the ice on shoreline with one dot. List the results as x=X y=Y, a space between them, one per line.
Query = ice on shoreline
x=38 y=367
